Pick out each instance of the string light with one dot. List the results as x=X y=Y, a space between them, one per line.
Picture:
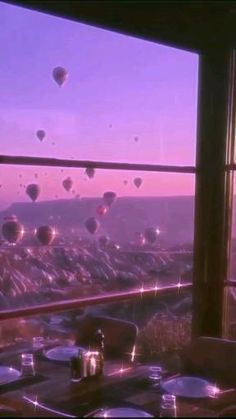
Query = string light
x=35 y=403
x=179 y=285
x=41 y=406
x=133 y=354
x=214 y=390
x=156 y=289
x=121 y=369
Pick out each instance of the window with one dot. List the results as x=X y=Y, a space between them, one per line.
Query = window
x=228 y=320
x=128 y=109
x=229 y=314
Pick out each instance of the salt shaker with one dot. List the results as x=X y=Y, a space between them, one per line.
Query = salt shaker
x=76 y=367
x=168 y=406
x=99 y=340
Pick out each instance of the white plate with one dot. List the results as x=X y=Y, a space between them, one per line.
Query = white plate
x=62 y=353
x=123 y=412
x=8 y=374
x=193 y=387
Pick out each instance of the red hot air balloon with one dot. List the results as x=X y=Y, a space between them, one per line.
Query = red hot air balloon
x=151 y=234
x=67 y=184
x=41 y=134
x=140 y=239
x=90 y=172
x=103 y=241
x=92 y=225
x=33 y=191
x=138 y=182
x=109 y=198
x=101 y=210
x=12 y=230
x=60 y=75
x=45 y=235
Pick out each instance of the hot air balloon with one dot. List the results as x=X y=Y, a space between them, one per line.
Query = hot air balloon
x=45 y=234
x=12 y=229
x=151 y=234
x=67 y=184
x=136 y=139
x=140 y=239
x=101 y=210
x=109 y=198
x=114 y=246
x=92 y=225
x=60 y=75
x=138 y=182
x=41 y=134
x=90 y=172
x=33 y=191
x=103 y=241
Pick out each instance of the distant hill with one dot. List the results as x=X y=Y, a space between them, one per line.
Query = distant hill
x=173 y=216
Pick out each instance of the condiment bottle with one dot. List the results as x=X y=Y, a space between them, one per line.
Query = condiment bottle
x=99 y=341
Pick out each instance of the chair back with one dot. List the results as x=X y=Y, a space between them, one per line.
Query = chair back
x=211 y=357
x=120 y=335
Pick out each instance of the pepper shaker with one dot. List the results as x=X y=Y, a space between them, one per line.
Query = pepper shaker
x=99 y=341
x=76 y=367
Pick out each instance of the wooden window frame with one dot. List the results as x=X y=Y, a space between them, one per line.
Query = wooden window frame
x=214 y=172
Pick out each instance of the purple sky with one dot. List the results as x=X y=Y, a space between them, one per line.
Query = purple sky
x=141 y=88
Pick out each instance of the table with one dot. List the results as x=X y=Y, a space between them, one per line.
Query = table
x=54 y=390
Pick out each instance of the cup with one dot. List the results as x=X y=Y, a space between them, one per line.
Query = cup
x=168 y=406
x=155 y=375
x=38 y=342
x=27 y=365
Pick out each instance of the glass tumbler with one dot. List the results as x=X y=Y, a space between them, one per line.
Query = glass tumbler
x=38 y=343
x=155 y=375
x=168 y=406
x=27 y=365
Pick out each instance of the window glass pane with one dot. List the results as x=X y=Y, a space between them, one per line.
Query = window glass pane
x=230 y=313
x=125 y=99
x=230 y=292
x=163 y=322
x=142 y=234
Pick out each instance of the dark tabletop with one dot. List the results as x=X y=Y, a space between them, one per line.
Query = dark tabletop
x=51 y=387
